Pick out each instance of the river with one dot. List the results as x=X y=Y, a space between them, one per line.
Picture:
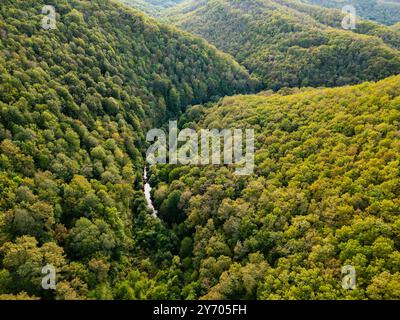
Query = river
x=147 y=194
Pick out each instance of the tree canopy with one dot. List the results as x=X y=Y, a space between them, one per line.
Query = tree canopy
x=324 y=194
x=75 y=103
x=288 y=43
x=382 y=11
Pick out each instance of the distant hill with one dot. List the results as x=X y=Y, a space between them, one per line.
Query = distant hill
x=153 y=7
x=382 y=11
x=289 y=43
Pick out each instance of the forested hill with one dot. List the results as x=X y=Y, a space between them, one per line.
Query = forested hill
x=324 y=194
x=74 y=104
x=289 y=43
x=153 y=7
x=382 y=11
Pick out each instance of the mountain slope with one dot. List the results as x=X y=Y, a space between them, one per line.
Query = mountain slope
x=289 y=43
x=153 y=7
x=324 y=194
x=74 y=106
x=385 y=12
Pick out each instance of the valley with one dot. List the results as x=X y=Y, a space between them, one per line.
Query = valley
x=77 y=193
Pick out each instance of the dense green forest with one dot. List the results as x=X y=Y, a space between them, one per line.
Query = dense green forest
x=153 y=7
x=77 y=101
x=74 y=106
x=382 y=11
x=288 y=43
x=325 y=193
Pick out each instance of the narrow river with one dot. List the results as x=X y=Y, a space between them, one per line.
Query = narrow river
x=147 y=193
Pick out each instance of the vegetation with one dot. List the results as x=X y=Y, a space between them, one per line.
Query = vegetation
x=382 y=11
x=291 y=44
x=153 y=7
x=74 y=105
x=324 y=194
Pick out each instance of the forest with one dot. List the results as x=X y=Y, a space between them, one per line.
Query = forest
x=324 y=194
x=152 y=7
x=382 y=11
x=74 y=106
x=77 y=101
x=290 y=44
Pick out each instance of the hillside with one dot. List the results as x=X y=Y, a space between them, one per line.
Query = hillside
x=75 y=103
x=289 y=43
x=78 y=201
x=382 y=11
x=324 y=194
x=152 y=7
